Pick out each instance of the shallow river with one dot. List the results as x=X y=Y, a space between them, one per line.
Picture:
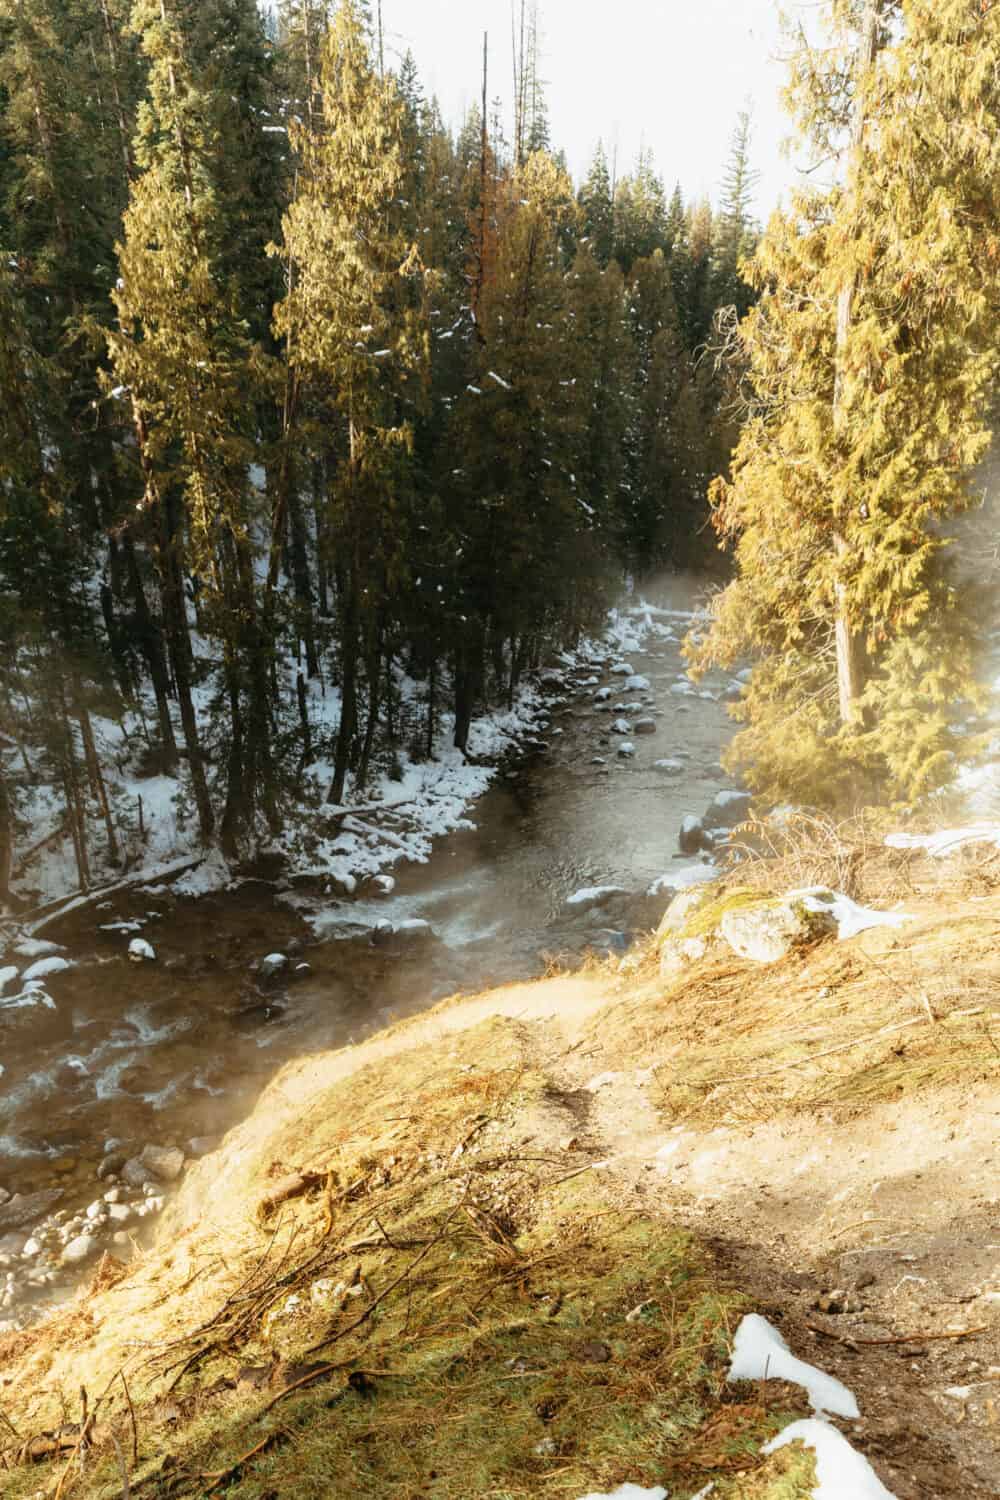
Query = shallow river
x=179 y=1048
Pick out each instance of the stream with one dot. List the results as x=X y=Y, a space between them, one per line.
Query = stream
x=174 y=1052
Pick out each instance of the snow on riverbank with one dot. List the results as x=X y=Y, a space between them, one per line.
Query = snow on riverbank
x=397 y=818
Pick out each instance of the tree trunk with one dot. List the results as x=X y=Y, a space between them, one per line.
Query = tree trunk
x=94 y=771
x=850 y=645
x=6 y=838
x=179 y=645
x=151 y=647
x=371 y=722
x=348 y=687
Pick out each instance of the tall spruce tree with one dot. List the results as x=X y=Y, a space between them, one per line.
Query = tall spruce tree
x=871 y=359
x=353 y=324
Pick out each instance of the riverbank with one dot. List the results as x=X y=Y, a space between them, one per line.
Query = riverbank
x=104 y=1056
x=508 y=1244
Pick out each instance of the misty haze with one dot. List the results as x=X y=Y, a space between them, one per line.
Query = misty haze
x=499 y=750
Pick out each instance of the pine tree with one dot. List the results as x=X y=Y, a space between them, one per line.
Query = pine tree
x=598 y=209
x=733 y=229
x=182 y=351
x=353 y=328
x=871 y=358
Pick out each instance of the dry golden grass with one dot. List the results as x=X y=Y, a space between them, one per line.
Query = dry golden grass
x=839 y=1025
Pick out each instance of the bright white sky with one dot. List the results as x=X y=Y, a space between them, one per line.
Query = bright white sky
x=672 y=74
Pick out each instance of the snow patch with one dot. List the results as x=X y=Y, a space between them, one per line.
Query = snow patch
x=848 y=915
x=843 y=1474
x=44 y=967
x=760 y=1353
x=947 y=841
x=629 y=1492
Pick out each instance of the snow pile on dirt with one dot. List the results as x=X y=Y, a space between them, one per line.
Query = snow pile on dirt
x=851 y=919
x=947 y=841
x=760 y=1353
x=629 y=1492
x=843 y=1473
x=595 y=895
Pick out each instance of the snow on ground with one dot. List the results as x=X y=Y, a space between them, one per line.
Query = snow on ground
x=843 y=1474
x=947 y=841
x=629 y=1492
x=683 y=879
x=395 y=819
x=848 y=915
x=760 y=1353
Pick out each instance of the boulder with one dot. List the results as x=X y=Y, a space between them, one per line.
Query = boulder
x=28 y=1208
x=770 y=930
x=728 y=809
x=637 y=684
x=136 y=1173
x=684 y=907
x=112 y=1164
x=645 y=726
x=695 y=836
x=272 y=965
x=621 y=726
x=166 y=1163
x=669 y=767
x=141 y=952
x=626 y=749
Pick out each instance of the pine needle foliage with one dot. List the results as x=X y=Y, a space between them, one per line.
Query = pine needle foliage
x=859 y=447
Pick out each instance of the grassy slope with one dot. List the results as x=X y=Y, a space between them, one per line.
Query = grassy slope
x=468 y=1290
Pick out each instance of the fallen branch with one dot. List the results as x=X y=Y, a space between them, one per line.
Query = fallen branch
x=903 y=1338
x=223 y=1476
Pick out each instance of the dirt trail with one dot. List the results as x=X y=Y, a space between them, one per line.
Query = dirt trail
x=894 y=1217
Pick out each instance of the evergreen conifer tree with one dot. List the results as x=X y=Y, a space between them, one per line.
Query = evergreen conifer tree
x=871 y=358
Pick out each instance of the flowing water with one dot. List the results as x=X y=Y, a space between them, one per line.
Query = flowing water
x=180 y=1048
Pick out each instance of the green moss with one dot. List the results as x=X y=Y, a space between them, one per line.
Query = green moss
x=706 y=920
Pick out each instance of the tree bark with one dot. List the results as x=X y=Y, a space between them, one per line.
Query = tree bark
x=179 y=645
x=851 y=665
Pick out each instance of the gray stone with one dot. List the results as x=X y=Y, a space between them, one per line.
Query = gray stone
x=678 y=954
x=27 y=1208
x=119 y=1213
x=272 y=965
x=112 y=1164
x=694 y=836
x=165 y=1162
x=201 y=1145
x=728 y=809
x=684 y=906
x=136 y=1173
x=645 y=726
x=80 y=1249
x=767 y=933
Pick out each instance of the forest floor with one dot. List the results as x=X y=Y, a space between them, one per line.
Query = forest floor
x=503 y=1248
